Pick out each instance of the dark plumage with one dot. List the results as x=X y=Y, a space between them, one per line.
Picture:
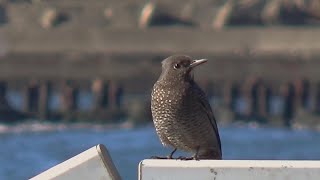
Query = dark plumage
x=181 y=112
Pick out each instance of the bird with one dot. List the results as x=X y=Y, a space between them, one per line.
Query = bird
x=181 y=112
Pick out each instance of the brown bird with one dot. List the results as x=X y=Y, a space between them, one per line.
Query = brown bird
x=181 y=112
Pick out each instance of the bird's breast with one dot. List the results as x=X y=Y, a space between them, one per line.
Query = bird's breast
x=165 y=100
x=178 y=118
x=171 y=109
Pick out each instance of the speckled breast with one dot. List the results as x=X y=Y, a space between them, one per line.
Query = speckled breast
x=177 y=119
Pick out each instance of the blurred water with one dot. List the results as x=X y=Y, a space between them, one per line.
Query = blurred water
x=26 y=154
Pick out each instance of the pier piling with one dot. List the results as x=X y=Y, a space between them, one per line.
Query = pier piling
x=31 y=97
x=115 y=95
x=100 y=94
x=45 y=93
x=316 y=104
x=288 y=94
x=69 y=100
x=263 y=99
x=3 y=99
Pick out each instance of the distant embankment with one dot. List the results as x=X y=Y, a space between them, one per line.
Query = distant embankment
x=276 y=54
x=269 y=74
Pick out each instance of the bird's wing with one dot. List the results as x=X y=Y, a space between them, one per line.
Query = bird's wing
x=204 y=103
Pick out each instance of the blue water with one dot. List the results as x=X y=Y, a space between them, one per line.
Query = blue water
x=25 y=154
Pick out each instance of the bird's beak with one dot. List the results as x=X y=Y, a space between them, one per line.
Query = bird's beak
x=197 y=62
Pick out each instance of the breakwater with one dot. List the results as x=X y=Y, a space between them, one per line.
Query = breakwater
x=254 y=98
x=268 y=75
x=98 y=60
x=46 y=100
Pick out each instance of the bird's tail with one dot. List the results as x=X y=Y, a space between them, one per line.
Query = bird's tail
x=210 y=154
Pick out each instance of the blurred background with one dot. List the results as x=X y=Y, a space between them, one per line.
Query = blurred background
x=75 y=73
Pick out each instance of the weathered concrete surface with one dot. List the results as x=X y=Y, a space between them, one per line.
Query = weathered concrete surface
x=228 y=169
x=94 y=163
x=163 y=40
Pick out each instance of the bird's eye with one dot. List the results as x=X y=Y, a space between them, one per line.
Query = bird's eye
x=176 y=66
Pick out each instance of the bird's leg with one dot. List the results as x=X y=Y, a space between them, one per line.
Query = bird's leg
x=171 y=154
x=195 y=156
x=185 y=158
x=158 y=157
x=166 y=157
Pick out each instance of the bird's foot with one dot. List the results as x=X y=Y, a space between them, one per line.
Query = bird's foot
x=185 y=158
x=195 y=157
x=161 y=157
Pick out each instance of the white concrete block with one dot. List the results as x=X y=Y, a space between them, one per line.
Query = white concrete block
x=229 y=170
x=94 y=163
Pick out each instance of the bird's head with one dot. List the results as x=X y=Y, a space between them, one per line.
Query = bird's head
x=179 y=68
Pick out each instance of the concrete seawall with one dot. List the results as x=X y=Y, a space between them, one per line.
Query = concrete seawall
x=54 y=52
x=125 y=55
x=282 y=61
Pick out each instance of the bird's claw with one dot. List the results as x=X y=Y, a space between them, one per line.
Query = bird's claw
x=185 y=158
x=161 y=157
x=179 y=158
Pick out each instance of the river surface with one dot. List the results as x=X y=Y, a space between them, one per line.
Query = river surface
x=24 y=154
